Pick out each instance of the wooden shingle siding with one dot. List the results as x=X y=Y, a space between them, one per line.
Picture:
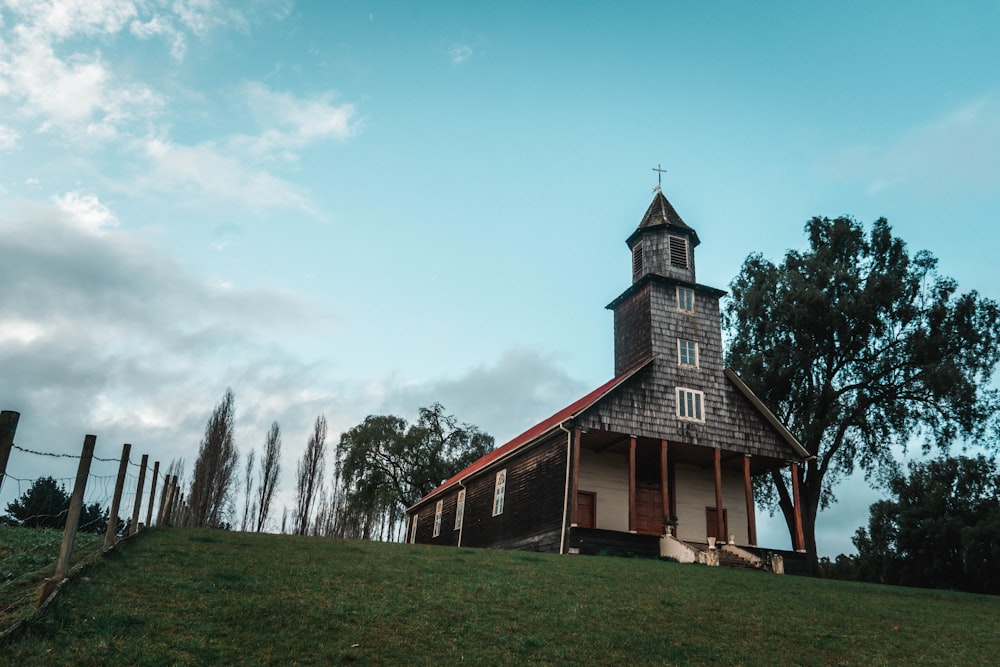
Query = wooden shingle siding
x=646 y=404
x=633 y=331
x=533 y=503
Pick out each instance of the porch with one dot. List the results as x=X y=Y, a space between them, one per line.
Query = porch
x=648 y=487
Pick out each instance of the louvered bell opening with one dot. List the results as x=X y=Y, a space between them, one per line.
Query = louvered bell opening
x=678 y=252
x=637 y=261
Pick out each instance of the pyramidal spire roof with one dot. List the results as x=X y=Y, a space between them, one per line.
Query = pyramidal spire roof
x=661 y=212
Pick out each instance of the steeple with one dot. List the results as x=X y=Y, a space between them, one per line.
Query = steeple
x=663 y=244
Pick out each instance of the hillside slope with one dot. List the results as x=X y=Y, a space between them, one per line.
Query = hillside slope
x=174 y=596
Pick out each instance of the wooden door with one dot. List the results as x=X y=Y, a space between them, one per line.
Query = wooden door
x=648 y=510
x=586 y=509
x=712 y=524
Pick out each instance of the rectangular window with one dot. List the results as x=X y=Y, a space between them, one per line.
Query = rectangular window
x=689 y=404
x=678 y=252
x=438 y=511
x=413 y=529
x=460 y=510
x=687 y=352
x=685 y=299
x=637 y=260
x=499 y=491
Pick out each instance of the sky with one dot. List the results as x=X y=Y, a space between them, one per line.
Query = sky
x=359 y=208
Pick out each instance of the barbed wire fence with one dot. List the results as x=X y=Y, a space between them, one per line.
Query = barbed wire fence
x=47 y=534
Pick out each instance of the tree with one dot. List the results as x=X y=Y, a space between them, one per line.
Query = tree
x=248 y=509
x=386 y=466
x=941 y=530
x=310 y=474
x=45 y=505
x=215 y=467
x=269 y=469
x=859 y=347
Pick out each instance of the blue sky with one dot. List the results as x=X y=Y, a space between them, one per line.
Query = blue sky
x=363 y=207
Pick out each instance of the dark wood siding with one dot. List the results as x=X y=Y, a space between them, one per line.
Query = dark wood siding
x=633 y=333
x=533 y=505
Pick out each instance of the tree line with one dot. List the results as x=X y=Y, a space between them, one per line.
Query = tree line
x=380 y=467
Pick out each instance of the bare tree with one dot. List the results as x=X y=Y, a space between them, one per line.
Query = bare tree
x=310 y=474
x=215 y=467
x=248 y=512
x=270 y=466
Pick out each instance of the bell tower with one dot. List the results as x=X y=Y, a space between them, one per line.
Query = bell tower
x=666 y=314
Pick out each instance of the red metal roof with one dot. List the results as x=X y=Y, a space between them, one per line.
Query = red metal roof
x=539 y=429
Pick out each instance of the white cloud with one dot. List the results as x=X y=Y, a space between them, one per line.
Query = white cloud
x=86 y=211
x=160 y=25
x=292 y=123
x=207 y=169
x=959 y=151
x=460 y=53
x=9 y=138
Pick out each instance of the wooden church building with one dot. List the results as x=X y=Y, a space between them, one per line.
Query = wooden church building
x=658 y=460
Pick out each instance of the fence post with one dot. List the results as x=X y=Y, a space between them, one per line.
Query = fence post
x=134 y=524
x=8 y=424
x=75 y=506
x=171 y=499
x=161 y=516
x=152 y=495
x=111 y=533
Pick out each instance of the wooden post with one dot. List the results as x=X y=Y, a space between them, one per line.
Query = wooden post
x=152 y=494
x=664 y=481
x=161 y=516
x=631 y=484
x=111 y=534
x=574 y=478
x=800 y=540
x=720 y=516
x=75 y=507
x=8 y=425
x=134 y=524
x=751 y=514
x=171 y=501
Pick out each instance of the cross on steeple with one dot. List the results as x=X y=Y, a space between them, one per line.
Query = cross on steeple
x=659 y=174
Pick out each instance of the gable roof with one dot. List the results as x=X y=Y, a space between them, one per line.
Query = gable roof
x=540 y=429
x=765 y=412
x=662 y=213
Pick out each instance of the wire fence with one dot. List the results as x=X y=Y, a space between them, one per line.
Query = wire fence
x=57 y=525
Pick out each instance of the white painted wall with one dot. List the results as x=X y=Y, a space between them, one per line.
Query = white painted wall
x=696 y=491
x=607 y=476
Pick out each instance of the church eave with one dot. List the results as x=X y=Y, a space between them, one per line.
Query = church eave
x=655 y=277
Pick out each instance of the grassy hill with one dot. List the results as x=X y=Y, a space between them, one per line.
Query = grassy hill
x=174 y=596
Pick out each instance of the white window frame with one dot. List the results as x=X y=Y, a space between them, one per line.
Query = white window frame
x=499 y=492
x=690 y=404
x=413 y=528
x=682 y=293
x=681 y=345
x=438 y=511
x=460 y=509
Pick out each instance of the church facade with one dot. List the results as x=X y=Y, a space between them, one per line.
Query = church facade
x=659 y=457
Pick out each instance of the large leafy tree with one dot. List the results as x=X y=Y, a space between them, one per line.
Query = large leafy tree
x=860 y=347
x=940 y=530
x=386 y=465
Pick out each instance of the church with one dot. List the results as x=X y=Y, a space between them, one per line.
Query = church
x=659 y=460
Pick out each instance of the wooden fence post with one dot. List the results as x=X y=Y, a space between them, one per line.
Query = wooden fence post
x=171 y=499
x=8 y=424
x=111 y=534
x=75 y=506
x=161 y=516
x=152 y=495
x=134 y=524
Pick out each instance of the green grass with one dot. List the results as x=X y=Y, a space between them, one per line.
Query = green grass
x=198 y=597
x=27 y=557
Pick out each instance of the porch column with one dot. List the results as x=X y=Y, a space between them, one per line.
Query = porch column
x=631 y=484
x=574 y=478
x=664 y=481
x=800 y=540
x=720 y=517
x=748 y=489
